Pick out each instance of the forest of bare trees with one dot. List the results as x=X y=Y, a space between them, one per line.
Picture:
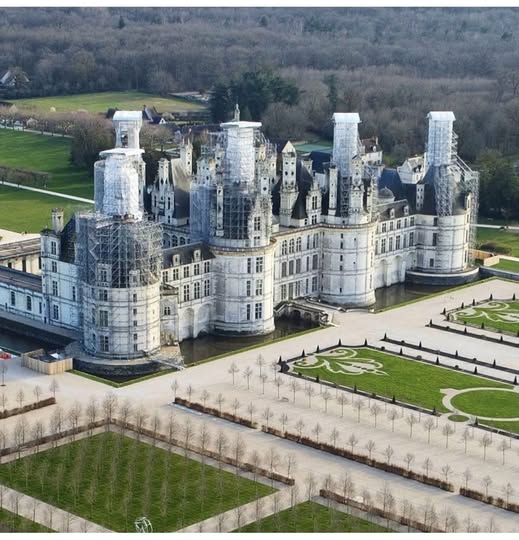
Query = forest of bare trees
x=393 y=65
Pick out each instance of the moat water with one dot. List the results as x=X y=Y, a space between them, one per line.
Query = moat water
x=194 y=350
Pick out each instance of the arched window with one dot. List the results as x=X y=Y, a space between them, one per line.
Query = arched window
x=284 y=247
x=291 y=246
x=174 y=241
x=182 y=241
x=299 y=244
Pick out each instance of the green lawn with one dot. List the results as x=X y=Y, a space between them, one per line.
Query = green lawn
x=496 y=315
x=505 y=242
x=507 y=426
x=490 y=403
x=389 y=375
x=508 y=266
x=111 y=479
x=312 y=517
x=102 y=101
x=29 y=211
x=47 y=154
x=10 y=522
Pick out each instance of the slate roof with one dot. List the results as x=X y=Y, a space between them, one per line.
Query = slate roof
x=186 y=254
x=17 y=278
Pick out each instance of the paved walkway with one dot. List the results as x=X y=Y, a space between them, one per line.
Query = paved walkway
x=47 y=192
x=37 y=131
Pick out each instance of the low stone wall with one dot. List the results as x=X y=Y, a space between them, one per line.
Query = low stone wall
x=117 y=368
x=490 y=271
x=422 y=278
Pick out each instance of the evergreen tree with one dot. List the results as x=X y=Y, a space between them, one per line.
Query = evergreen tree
x=220 y=103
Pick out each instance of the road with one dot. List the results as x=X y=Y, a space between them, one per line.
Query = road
x=47 y=192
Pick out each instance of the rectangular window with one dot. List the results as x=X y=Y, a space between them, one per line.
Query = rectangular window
x=103 y=317
x=411 y=221
x=283 y=292
x=74 y=294
x=135 y=347
x=103 y=295
x=391 y=244
x=390 y=225
x=248 y=312
x=103 y=275
x=186 y=293
x=405 y=241
x=207 y=288
x=248 y=288
x=249 y=265
x=259 y=287
x=383 y=227
x=298 y=266
x=104 y=344
x=135 y=297
x=307 y=264
x=259 y=264
x=308 y=242
x=55 y=312
x=54 y=288
x=196 y=269
x=435 y=222
x=175 y=274
x=13 y=298
x=54 y=266
x=258 y=312
x=399 y=224
x=435 y=239
x=431 y=262
x=135 y=336
x=257 y=224
x=383 y=246
x=314 y=283
x=397 y=242
x=186 y=271
x=135 y=311
x=290 y=268
x=376 y=247
x=411 y=239
x=196 y=290
x=29 y=303
x=316 y=240
x=315 y=262
x=135 y=322
x=93 y=316
x=206 y=267
x=53 y=248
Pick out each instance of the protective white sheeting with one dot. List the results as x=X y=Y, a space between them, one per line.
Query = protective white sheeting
x=345 y=140
x=121 y=187
x=240 y=153
x=439 y=138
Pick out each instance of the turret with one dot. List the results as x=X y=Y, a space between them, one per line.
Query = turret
x=288 y=191
x=57 y=220
x=345 y=141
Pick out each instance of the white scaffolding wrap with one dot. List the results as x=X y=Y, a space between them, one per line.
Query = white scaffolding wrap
x=345 y=140
x=240 y=152
x=121 y=186
x=440 y=138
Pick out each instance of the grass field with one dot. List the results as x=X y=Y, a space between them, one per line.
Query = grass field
x=495 y=315
x=490 y=403
x=102 y=101
x=111 y=479
x=48 y=154
x=312 y=517
x=505 y=242
x=30 y=212
x=508 y=266
x=389 y=375
x=10 y=522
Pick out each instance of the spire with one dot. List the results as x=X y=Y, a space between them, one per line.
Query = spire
x=236 y=113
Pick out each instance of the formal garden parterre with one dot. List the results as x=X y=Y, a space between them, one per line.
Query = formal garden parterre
x=494 y=315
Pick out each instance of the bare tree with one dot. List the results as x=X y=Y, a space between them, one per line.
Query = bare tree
x=310 y=486
x=334 y=436
x=4 y=399
x=411 y=420
x=347 y=487
x=284 y=421
x=54 y=387
x=409 y=458
x=247 y=374
x=233 y=369
x=486 y=482
x=205 y=396
x=388 y=452
x=310 y=392
x=446 y=470
x=255 y=461
x=375 y=410
x=190 y=391
x=392 y=415
x=141 y=417
x=264 y=379
x=467 y=477
x=278 y=382
x=503 y=447
x=317 y=429
x=37 y=393
x=427 y=466
x=387 y=500
x=74 y=417
x=251 y=409
x=291 y=461
x=174 y=387
x=220 y=400
x=300 y=425
x=235 y=405
x=358 y=405
x=267 y=414
x=222 y=444
x=109 y=406
x=4 y=368
x=326 y=396
x=485 y=442
x=36 y=433
x=274 y=367
x=260 y=362
x=20 y=397
x=508 y=491
x=272 y=459
x=450 y=522
x=204 y=438
x=429 y=425
x=447 y=431
x=342 y=400
x=353 y=441
x=294 y=386
x=92 y=411
x=465 y=437
x=238 y=451
x=370 y=446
